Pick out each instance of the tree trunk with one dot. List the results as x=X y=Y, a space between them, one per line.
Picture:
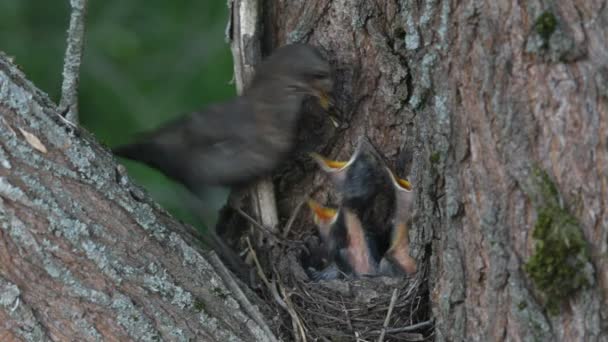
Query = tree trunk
x=85 y=254
x=498 y=112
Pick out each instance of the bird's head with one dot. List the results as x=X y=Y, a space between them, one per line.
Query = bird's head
x=401 y=185
x=364 y=149
x=303 y=70
x=323 y=217
x=330 y=165
x=404 y=197
x=359 y=178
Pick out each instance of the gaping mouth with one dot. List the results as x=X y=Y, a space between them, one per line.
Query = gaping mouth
x=329 y=164
x=321 y=213
x=404 y=183
x=401 y=183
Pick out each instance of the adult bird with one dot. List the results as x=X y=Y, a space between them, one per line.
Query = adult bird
x=239 y=141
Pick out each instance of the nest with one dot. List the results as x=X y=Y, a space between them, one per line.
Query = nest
x=368 y=309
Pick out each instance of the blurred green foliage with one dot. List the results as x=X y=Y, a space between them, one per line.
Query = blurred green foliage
x=145 y=62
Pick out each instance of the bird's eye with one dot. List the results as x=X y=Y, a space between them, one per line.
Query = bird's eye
x=320 y=75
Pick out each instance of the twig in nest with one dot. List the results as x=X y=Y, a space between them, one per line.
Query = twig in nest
x=257 y=263
x=409 y=328
x=294 y=315
x=348 y=322
x=339 y=312
x=264 y=229
x=359 y=339
x=257 y=224
x=291 y=220
x=296 y=322
x=277 y=297
x=296 y=211
x=412 y=327
x=388 y=314
x=252 y=220
x=270 y=285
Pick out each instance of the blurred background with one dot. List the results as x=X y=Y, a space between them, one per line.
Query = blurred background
x=145 y=62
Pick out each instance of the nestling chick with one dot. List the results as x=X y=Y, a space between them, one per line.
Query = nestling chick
x=364 y=188
x=360 y=178
x=350 y=249
x=397 y=259
x=325 y=219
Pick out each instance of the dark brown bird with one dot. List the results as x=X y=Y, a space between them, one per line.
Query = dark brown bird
x=236 y=142
x=349 y=247
x=397 y=259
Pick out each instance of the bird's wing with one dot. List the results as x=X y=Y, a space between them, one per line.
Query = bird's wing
x=193 y=149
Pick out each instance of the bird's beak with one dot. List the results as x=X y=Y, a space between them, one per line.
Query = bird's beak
x=399 y=183
x=405 y=184
x=328 y=164
x=325 y=100
x=321 y=89
x=404 y=201
x=321 y=213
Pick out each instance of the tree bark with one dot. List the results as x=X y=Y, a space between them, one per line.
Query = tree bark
x=484 y=105
x=497 y=112
x=86 y=255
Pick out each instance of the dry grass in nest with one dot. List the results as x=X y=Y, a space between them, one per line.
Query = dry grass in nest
x=369 y=309
x=358 y=309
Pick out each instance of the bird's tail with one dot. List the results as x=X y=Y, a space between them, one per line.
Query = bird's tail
x=142 y=152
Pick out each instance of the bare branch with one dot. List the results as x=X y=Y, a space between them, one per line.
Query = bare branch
x=73 y=60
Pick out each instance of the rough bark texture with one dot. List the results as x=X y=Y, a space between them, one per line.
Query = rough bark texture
x=497 y=111
x=493 y=102
x=85 y=254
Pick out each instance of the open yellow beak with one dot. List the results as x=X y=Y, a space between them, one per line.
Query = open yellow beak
x=329 y=163
x=404 y=183
x=321 y=213
x=400 y=182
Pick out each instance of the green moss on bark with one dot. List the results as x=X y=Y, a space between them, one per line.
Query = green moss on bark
x=434 y=158
x=545 y=25
x=559 y=264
